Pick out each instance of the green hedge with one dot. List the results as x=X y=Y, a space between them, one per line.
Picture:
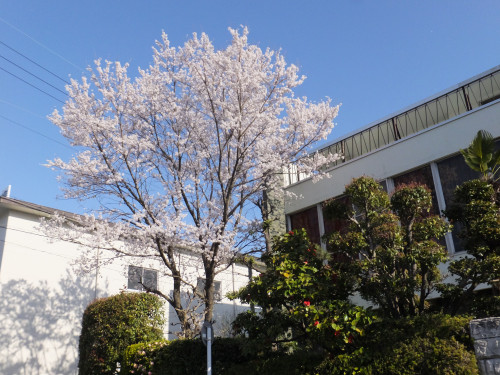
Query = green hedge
x=430 y=344
x=185 y=357
x=111 y=324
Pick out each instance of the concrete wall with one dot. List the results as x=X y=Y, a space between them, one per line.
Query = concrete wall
x=42 y=298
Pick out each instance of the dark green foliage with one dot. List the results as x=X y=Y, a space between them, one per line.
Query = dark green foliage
x=428 y=344
x=111 y=324
x=186 y=357
x=477 y=210
x=428 y=356
x=389 y=250
x=303 y=303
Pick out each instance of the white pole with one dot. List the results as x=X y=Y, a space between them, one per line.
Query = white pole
x=209 y=350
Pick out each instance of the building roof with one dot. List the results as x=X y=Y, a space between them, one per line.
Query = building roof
x=33 y=208
x=478 y=91
x=44 y=211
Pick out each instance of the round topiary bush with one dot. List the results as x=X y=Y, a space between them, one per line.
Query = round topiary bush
x=111 y=324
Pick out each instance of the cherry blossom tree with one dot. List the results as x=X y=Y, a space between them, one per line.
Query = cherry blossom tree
x=178 y=154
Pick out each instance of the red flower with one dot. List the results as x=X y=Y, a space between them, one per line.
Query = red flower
x=337 y=333
x=350 y=339
x=316 y=323
x=290 y=233
x=307 y=303
x=306 y=262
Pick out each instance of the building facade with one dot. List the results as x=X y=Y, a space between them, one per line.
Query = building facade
x=42 y=296
x=420 y=143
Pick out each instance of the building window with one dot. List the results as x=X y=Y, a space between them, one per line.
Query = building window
x=142 y=278
x=307 y=219
x=334 y=224
x=200 y=288
x=453 y=172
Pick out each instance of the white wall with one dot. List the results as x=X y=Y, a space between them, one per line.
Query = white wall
x=421 y=148
x=42 y=299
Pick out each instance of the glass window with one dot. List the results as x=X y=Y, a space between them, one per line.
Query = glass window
x=452 y=173
x=307 y=219
x=142 y=278
x=333 y=224
x=200 y=288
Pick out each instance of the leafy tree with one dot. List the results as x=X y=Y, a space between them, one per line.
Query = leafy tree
x=180 y=155
x=476 y=211
x=388 y=250
x=301 y=300
x=476 y=208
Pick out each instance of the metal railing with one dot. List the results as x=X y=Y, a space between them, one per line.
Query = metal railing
x=444 y=107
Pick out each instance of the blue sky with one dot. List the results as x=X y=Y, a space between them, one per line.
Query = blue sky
x=374 y=57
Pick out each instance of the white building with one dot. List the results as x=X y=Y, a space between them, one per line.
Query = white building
x=42 y=299
x=420 y=143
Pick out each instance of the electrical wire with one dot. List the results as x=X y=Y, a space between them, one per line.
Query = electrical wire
x=33 y=75
x=41 y=44
x=35 y=131
x=39 y=89
x=34 y=62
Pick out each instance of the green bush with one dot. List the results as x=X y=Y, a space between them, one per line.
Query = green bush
x=429 y=344
x=424 y=355
x=111 y=324
x=185 y=357
x=476 y=210
x=141 y=358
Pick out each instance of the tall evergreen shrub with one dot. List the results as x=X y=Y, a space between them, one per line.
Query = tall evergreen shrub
x=111 y=324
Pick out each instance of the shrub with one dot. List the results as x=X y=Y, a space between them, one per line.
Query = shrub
x=428 y=356
x=302 y=301
x=429 y=344
x=185 y=357
x=111 y=324
x=476 y=209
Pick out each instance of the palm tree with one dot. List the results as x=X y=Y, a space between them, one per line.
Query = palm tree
x=482 y=157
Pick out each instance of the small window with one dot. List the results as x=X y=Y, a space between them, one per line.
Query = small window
x=142 y=278
x=200 y=288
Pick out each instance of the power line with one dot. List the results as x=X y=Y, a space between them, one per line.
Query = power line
x=35 y=131
x=41 y=44
x=34 y=62
x=39 y=89
x=33 y=75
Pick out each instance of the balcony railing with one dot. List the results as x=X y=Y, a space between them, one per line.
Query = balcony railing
x=444 y=107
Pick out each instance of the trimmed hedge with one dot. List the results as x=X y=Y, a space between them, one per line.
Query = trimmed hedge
x=430 y=344
x=184 y=357
x=111 y=324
